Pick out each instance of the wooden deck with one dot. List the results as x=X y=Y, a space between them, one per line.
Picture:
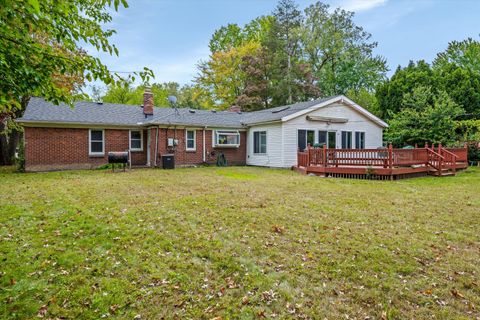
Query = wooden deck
x=381 y=164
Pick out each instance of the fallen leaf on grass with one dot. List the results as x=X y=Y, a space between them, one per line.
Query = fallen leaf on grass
x=113 y=308
x=42 y=311
x=457 y=294
x=278 y=229
x=230 y=283
x=245 y=300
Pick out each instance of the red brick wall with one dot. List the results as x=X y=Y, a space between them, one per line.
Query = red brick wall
x=234 y=156
x=62 y=148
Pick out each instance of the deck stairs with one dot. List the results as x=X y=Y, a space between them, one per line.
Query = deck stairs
x=441 y=162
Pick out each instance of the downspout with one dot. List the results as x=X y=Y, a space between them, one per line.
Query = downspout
x=203 y=144
x=156 y=148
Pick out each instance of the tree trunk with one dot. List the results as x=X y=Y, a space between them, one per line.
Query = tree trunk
x=4 y=160
x=289 y=80
x=9 y=144
x=13 y=140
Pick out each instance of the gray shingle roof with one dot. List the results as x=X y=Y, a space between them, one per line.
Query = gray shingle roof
x=39 y=110
x=274 y=114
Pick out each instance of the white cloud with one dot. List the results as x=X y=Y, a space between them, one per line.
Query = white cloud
x=361 y=5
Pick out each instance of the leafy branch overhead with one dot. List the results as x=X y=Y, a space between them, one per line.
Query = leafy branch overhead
x=41 y=48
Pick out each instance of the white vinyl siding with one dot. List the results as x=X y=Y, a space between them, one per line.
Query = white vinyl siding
x=273 y=156
x=356 y=122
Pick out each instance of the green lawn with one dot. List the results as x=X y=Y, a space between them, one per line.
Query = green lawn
x=229 y=243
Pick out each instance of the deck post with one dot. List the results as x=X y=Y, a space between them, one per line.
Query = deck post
x=390 y=160
x=308 y=154
x=324 y=155
x=390 y=156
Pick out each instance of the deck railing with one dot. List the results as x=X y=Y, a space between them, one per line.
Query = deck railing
x=436 y=157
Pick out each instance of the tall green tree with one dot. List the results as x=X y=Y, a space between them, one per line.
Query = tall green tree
x=458 y=72
x=222 y=74
x=390 y=93
x=283 y=44
x=426 y=117
x=256 y=92
x=302 y=56
x=464 y=54
x=339 y=51
x=40 y=54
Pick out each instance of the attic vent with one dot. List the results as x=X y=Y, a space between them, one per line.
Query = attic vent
x=280 y=110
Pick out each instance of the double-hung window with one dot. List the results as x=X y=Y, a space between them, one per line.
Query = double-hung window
x=225 y=139
x=96 y=142
x=136 y=140
x=359 y=140
x=190 y=144
x=260 y=142
x=346 y=140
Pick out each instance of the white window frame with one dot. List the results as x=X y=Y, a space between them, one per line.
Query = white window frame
x=216 y=133
x=90 y=153
x=364 y=139
x=328 y=141
x=130 y=140
x=351 y=139
x=194 y=140
x=260 y=143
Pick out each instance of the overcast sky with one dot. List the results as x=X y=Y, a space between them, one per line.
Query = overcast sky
x=171 y=36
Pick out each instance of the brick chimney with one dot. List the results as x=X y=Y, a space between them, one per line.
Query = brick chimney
x=235 y=109
x=148 y=101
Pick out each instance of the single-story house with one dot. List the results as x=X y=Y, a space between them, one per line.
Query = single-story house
x=61 y=137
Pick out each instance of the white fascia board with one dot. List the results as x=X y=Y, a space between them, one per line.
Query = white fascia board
x=310 y=109
x=365 y=112
x=343 y=99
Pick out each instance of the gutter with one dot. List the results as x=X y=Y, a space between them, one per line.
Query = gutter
x=66 y=124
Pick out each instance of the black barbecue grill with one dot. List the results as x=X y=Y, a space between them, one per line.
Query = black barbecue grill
x=122 y=157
